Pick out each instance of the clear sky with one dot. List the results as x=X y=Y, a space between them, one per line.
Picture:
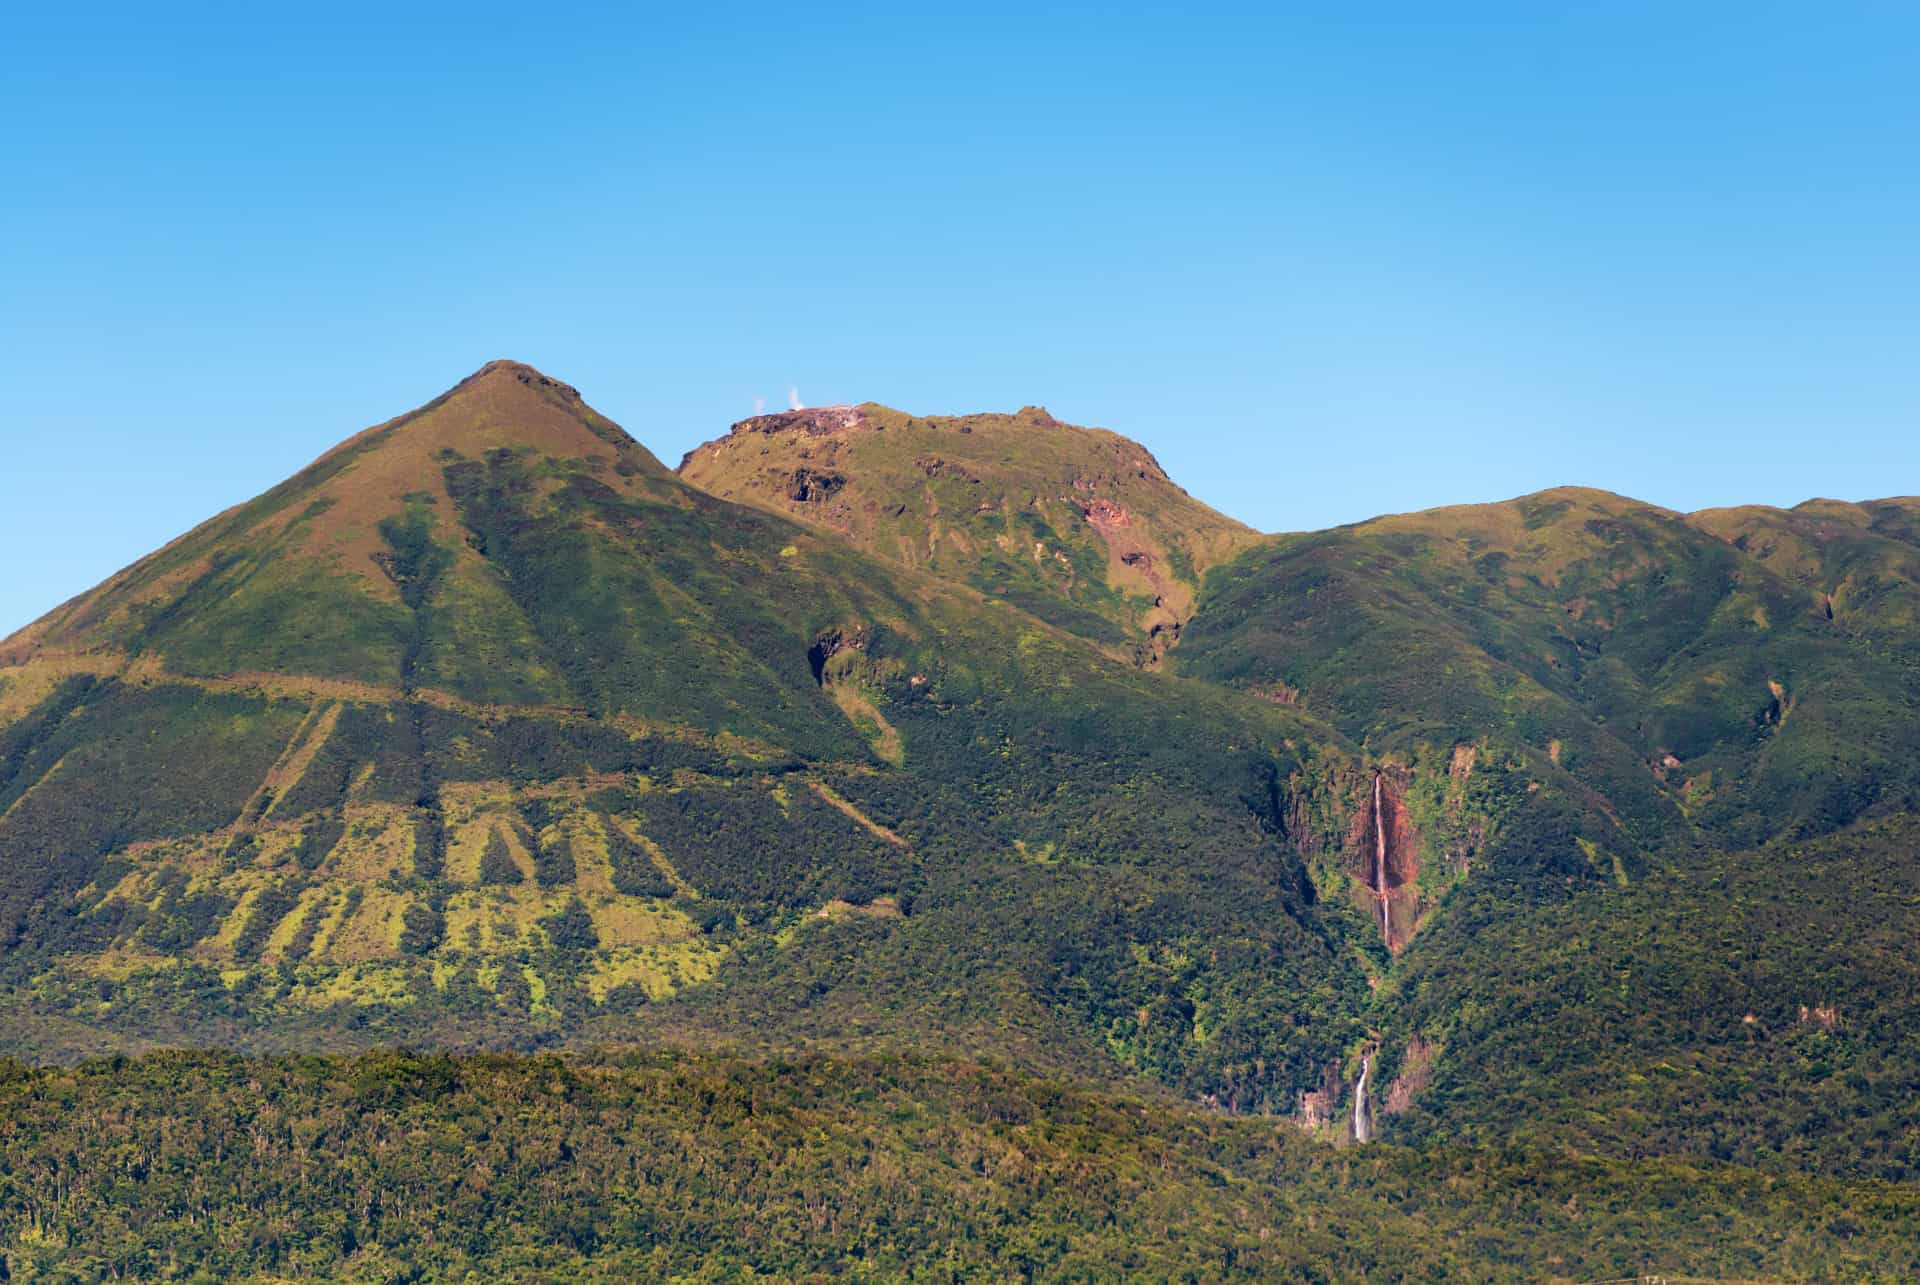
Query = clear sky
x=1326 y=260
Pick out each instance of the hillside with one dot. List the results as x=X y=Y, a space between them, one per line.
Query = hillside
x=1698 y=692
x=1759 y=1008
x=1861 y=562
x=1079 y=526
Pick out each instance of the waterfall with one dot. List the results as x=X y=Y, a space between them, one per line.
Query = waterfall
x=1380 y=863
x=1362 y=1118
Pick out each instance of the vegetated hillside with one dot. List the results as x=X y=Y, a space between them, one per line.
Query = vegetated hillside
x=1636 y=659
x=1736 y=689
x=1861 y=562
x=1760 y=1008
x=484 y=730
x=644 y=1166
x=1079 y=526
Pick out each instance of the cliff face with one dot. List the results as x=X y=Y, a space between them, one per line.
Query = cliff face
x=1384 y=858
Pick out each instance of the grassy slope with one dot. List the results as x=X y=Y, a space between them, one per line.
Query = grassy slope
x=1861 y=561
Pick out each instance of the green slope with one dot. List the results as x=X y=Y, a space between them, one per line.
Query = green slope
x=1860 y=561
x=1686 y=686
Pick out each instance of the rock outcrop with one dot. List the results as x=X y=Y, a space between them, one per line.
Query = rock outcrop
x=813 y=421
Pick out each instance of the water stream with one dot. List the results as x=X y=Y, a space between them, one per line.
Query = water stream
x=1362 y=1117
x=1380 y=863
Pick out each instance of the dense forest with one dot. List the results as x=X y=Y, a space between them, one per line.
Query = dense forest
x=400 y=1167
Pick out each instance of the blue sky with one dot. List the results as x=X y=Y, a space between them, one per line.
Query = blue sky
x=1327 y=261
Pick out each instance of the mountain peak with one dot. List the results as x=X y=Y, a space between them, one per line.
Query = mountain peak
x=503 y=369
x=331 y=524
x=503 y=403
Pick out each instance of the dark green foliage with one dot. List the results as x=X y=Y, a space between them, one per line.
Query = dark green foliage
x=429 y=844
x=513 y=990
x=387 y=738
x=528 y=750
x=180 y=918
x=309 y=927
x=1682 y=1016
x=553 y=863
x=121 y=779
x=19 y=742
x=497 y=866
x=318 y=838
x=739 y=843
x=634 y=871
x=711 y=917
x=539 y=812
x=272 y=905
x=414 y=561
x=572 y=929
x=422 y=928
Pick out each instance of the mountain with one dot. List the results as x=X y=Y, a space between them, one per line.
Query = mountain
x=897 y=787
x=1079 y=526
